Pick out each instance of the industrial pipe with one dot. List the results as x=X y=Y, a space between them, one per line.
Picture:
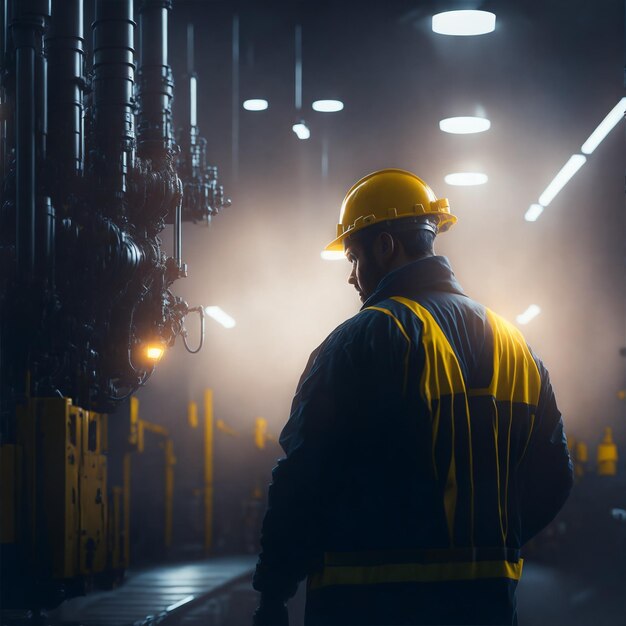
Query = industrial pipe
x=27 y=28
x=155 y=83
x=64 y=48
x=113 y=118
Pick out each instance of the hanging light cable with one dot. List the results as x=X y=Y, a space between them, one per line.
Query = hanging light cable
x=300 y=127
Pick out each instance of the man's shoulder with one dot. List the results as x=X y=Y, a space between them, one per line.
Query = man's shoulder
x=366 y=320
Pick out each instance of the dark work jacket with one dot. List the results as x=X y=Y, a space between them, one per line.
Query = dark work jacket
x=424 y=448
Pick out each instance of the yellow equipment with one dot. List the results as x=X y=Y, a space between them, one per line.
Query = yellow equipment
x=607 y=455
x=260 y=432
x=581 y=457
x=389 y=195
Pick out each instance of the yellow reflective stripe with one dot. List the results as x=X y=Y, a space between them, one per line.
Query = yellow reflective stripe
x=506 y=482
x=530 y=432
x=406 y=336
x=516 y=377
x=451 y=492
x=442 y=373
x=442 y=376
x=471 y=464
x=415 y=573
x=496 y=418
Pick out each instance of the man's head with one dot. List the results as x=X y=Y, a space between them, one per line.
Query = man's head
x=377 y=250
x=387 y=219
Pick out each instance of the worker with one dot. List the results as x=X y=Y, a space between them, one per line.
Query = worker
x=424 y=445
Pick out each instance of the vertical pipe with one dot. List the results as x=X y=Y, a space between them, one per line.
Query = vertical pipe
x=64 y=48
x=235 y=100
x=298 y=69
x=155 y=83
x=192 y=414
x=113 y=102
x=190 y=49
x=325 y=158
x=126 y=495
x=170 y=461
x=25 y=160
x=27 y=28
x=178 y=234
x=3 y=96
x=208 y=471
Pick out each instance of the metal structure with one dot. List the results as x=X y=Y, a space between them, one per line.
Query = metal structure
x=92 y=171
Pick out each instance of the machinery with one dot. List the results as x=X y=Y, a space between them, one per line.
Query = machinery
x=92 y=171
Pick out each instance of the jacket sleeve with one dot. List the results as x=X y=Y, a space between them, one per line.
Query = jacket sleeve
x=290 y=536
x=333 y=391
x=548 y=476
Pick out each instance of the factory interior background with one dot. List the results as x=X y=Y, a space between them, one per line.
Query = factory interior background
x=545 y=78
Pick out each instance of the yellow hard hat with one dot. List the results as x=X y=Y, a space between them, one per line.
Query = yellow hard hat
x=389 y=194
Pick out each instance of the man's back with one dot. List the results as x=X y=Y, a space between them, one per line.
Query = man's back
x=428 y=441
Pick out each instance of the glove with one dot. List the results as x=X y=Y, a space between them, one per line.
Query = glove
x=271 y=612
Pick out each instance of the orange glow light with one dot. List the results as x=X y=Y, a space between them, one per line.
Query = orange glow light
x=154 y=352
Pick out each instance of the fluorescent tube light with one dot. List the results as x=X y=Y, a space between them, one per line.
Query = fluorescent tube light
x=534 y=211
x=464 y=23
x=332 y=255
x=220 y=316
x=301 y=130
x=466 y=179
x=327 y=106
x=464 y=125
x=529 y=314
x=575 y=162
x=605 y=127
x=255 y=104
x=193 y=101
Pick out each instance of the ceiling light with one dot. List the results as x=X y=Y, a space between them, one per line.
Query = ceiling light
x=301 y=130
x=193 y=101
x=255 y=104
x=464 y=22
x=529 y=314
x=534 y=211
x=327 y=106
x=560 y=180
x=466 y=179
x=220 y=316
x=464 y=125
x=605 y=127
x=332 y=255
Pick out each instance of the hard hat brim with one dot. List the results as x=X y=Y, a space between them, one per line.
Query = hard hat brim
x=446 y=221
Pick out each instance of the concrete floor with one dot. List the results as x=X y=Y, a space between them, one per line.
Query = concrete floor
x=547 y=596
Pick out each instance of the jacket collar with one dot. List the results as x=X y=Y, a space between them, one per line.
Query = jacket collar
x=431 y=273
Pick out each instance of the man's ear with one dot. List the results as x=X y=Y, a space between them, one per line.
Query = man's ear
x=385 y=245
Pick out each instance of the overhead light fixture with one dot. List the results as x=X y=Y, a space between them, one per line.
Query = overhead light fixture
x=332 y=255
x=529 y=314
x=464 y=125
x=327 y=106
x=193 y=101
x=220 y=316
x=575 y=162
x=605 y=127
x=301 y=129
x=255 y=104
x=466 y=179
x=534 y=211
x=464 y=23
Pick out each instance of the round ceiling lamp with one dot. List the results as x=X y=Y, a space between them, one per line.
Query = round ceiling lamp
x=464 y=125
x=327 y=106
x=255 y=104
x=464 y=23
